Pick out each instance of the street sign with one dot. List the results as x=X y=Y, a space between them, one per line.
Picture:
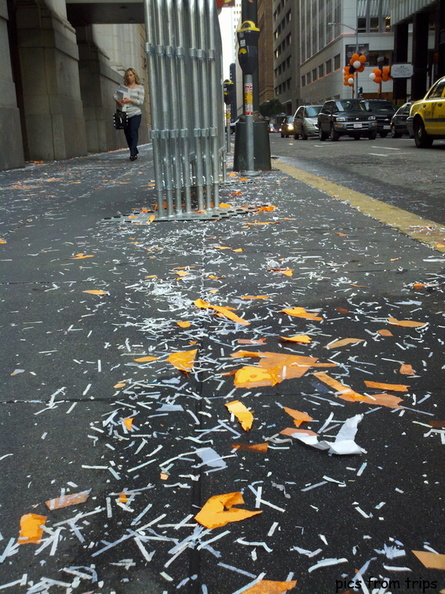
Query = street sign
x=401 y=70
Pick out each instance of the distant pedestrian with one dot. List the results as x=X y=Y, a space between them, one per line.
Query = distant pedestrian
x=130 y=97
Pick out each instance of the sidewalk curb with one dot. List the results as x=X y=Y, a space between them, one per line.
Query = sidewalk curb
x=418 y=228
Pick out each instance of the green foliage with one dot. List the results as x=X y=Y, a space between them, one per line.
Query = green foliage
x=271 y=108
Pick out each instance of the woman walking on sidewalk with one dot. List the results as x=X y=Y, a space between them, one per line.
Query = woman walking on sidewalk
x=130 y=97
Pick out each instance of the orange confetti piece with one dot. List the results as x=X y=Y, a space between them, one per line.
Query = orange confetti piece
x=96 y=292
x=346 y=393
x=182 y=273
x=342 y=391
x=385 y=332
x=382 y=386
x=183 y=360
x=406 y=323
x=282 y=366
x=437 y=424
x=221 y=247
x=3 y=241
x=254 y=377
x=431 y=560
x=31 y=528
x=298 y=416
x=123 y=498
x=262 y=223
x=289 y=431
x=269 y=208
x=388 y=400
x=418 y=285
x=406 y=369
x=81 y=256
x=255 y=297
x=285 y=271
x=145 y=359
x=300 y=338
x=300 y=312
x=270 y=587
x=184 y=324
x=67 y=500
x=244 y=416
x=202 y=304
x=128 y=423
x=256 y=447
x=345 y=341
x=163 y=476
x=225 y=205
x=119 y=385
x=251 y=341
x=218 y=512
x=226 y=312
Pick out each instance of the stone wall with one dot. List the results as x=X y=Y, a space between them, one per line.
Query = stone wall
x=57 y=82
x=48 y=54
x=11 y=146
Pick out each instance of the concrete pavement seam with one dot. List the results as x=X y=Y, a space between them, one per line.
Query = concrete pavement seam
x=418 y=228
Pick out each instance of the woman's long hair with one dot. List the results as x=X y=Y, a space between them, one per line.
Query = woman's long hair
x=137 y=80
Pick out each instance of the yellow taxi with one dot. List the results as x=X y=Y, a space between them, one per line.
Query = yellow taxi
x=426 y=121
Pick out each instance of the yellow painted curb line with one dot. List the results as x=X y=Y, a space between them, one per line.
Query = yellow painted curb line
x=422 y=230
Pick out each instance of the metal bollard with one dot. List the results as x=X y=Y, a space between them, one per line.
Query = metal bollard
x=185 y=76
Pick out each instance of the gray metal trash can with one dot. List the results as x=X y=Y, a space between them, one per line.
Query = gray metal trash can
x=261 y=147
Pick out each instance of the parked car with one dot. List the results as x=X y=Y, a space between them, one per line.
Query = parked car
x=383 y=111
x=346 y=117
x=426 y=121
x=287 y=127
x=398 y=121
x=305 y=121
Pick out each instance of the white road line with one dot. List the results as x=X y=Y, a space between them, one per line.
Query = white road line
x=387 y=148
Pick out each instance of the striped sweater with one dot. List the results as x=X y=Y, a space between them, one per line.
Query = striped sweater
x=137 y=95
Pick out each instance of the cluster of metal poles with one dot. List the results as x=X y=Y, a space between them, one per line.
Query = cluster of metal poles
x=184 y=54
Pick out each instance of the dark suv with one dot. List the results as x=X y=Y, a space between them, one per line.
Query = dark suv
x=346 y=117
x=383 y=111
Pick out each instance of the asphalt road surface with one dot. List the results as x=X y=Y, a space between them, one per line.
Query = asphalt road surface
x=389 y=169
x=127 y=343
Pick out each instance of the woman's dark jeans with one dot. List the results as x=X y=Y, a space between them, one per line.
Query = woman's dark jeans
x=132 y=134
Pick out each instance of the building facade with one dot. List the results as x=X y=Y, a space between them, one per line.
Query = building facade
x=57 y=78
x=314 y=41
x=286 y=52
x=265 y=52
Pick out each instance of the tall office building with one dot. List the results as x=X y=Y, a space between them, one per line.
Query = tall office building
x=314 y=40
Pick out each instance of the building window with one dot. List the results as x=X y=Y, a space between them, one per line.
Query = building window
x=314 y=74
x=303 y=80
x=329 y=67
x=321 y=71
x=337 y=62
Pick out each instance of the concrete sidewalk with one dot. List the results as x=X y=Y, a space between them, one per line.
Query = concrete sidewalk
x=96 y=309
